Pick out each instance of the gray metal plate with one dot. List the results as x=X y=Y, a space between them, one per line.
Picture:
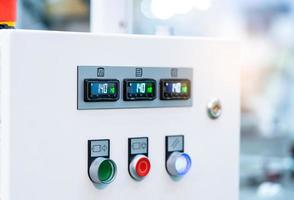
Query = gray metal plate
x=120 y=73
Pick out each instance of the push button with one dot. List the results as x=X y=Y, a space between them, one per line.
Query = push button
x=139 y=167
x=139 y=164
x=101 y=169
x=178 y=163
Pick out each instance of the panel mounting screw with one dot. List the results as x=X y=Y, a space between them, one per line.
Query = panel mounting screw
x=214 y=109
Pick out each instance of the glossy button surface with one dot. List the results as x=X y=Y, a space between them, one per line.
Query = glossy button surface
x=178 y=164
x=102 y=170
x=139 y=167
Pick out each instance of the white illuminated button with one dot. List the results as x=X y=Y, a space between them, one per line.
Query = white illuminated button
x=102 y=170
x=178 y=164
x=139 y=167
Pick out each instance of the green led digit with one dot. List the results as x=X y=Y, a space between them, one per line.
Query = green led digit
x=184 y=89
x=112 y=90
x=149 y=89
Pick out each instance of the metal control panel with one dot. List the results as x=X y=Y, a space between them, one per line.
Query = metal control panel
x=90 y=117
x=101 y=87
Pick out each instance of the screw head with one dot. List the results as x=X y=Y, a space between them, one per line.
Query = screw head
x=214 y=109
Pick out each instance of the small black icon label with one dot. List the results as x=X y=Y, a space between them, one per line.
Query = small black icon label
x=174 y=72
x=100 y=72
x=139 y=72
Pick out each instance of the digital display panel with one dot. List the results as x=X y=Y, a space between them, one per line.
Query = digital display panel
x=139 y=89
x=175 y=89
x=101 y=90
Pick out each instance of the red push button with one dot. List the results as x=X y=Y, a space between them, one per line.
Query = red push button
x=139 y=167
x=143 y=167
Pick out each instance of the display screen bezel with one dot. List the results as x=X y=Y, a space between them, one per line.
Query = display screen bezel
x=164 y=95
x=102 y=97
x=139 y=97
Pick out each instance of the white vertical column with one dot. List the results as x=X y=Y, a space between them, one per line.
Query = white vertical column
x=111 y=16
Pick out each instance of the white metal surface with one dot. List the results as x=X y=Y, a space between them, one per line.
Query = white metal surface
x=44 y=136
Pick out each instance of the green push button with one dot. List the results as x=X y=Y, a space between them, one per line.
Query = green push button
x=106 y=171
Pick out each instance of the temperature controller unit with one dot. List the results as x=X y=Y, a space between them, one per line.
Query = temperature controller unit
x=87 y=117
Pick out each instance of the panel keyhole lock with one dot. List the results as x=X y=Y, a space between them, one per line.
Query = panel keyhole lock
x=178 y=163
x=214 y=109
x=101 y=169
x=139 y=163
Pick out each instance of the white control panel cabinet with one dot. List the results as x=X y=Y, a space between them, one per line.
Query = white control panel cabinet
x=89 y=117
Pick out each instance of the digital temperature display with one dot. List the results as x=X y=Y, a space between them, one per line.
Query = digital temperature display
x=101 y=90
x=139 y=89
x=175 y=89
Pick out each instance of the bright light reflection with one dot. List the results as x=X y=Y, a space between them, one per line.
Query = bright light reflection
x=164 y=9
x=183 y=164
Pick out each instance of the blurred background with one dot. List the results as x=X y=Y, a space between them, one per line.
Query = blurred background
x=266 y=31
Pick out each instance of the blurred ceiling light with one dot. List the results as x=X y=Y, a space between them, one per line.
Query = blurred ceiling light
x=165 y=9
